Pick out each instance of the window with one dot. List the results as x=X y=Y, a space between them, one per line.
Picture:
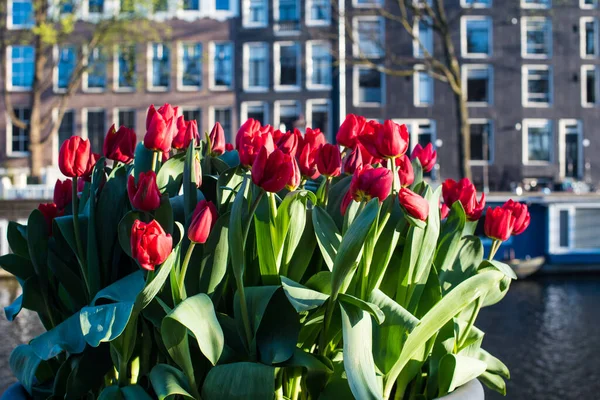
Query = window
x=368 y=87
x=95 y=128
x=96 y=6
x=255 y=13
x=287 y=115
x=18 y=138
x=21 y=14
x=160 y=66
x=65 y=67
x=194 y=114
x=424 y=34
x=537 y=85
x=479 y=84
x=476 y=36
x=589 y=37
x=191 y=5
x=286 y=15
x=590 y=85
x=476 y=3
x=318 y=116
x=572 y=229
x=254 y=110
x=423 y=89
x=319 y=64
x=125 y=118
x=482 y=141
x=536 y=3
x=367 y=3
x=536 y=37
x=222 y=5
x=287 y=66
x=190 y=67
x=67 y=127
x=537 y=141
x=125 y=69
x=318 y=12
x=222 y=71
x=369 y=35
x=66 y=7
x=570 y=148
x=94 y=78
x=256 y=67
x=22 y=65
x=588 y=4
x=222 y=115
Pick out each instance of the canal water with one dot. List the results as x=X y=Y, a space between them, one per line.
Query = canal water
x=546 y=330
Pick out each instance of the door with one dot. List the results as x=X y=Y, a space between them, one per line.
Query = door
x=571 y=149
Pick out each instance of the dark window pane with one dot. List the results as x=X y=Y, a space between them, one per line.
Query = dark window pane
x=369 y=86
x=223 y=116
x=126 y=118
x=564 y=228
x=289 y=65
x=196 y=115
x=96 y=129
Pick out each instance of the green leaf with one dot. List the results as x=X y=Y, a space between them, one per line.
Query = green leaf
x=236 y=234
x=92 y=254
x=266 y=239
x=190 y=195
x=321 y=282
x=215 y=256
x=418 y=173
x=170 y=175
x=169 y=382
x=336 y=195
x=301 y=297
x=318 y=370
x=69 y=279
x=17 y=265
x=449 y=242
x=37 y=240
x=125 y=228
x=164 y=214
x=456 y=370
x=327 y=234
x=290 y=225
x=494 y=365
x=242 y=380
x=500 y=266
x=363 y=305
x=304 y=251
x=133 y=392
x=227 y=182
x=143 y=160
x=337 y=386
x=494 y=382
x=231 y=158
x=464 y=265
x=67 y=230
x=17 y=239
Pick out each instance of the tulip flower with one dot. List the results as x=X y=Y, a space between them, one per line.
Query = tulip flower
x=444 y=211
x=160 y=128
x=465 y=192
x=313 y=138
x=352 y=126
x=387 y=140
x=74 y=157
x=119 y=145
x=272 y=171
x=288 y=142
x=329 y=161
x=307 y=163
x=150 y=244
x=217 y=140
x=353 y=161
x=63 y=193
x=250 y=127
x=187 y=131
x=229 y=147
x=250 y=139
x=426 y=155
x=405 y=170
x=92 y=160
x=499 y=223
x=368 y=183
x=415 y=205
x=203 y=220
x=296 y=177
x=521 y=214
x=50 y=211
x=367 y=157
x=144 y=195
x=166 y=110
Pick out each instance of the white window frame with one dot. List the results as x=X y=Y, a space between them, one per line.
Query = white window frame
x=309 y=108
x=536 y=123
x=317 y=22
x=211 y=67
x=537 y=6
x=372 y=4
x=116 y=86
x=246 y=23
x=464 y=76
x=420 y=69
x=9 y=14
x=491 y=142
x=562 y=124
x=9 y=150
x=584 y=70
x=584 y=6
x=356 y=86
x=430 y=45
x=115 y=116
x=244 y=109
x=277 y=110
x=56 y=55
x=150 y=68
x=211 y=117
x=84 y=119
x=180 y=86
x=355 y=43
x=111 y=9
x=9 y=63
x=582 y=38
x=463 y=36
x=554 y=246
x=276 y=19
x=85 y=74
x=463 y=4
x=309 y=65
x=246 y=67
x=549 y=41
x=525 y=90
x=277 y=67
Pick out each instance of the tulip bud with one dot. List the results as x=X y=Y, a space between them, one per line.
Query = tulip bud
x=312 y=137
x=203 y=220
x=465 y=192
x=187 y=131
x=150 y=244
x=160 y=128
x=347 y=135
x=217 y=140
x=306 y=162
x=277 y=134
x=296 y=177
x=166 y=110
x=444 y=211
x=92 y=160
x=228 y=147
x=74 y=157
x=273 y=171
x=50 y=211
x=415 y=205
x=521 y=215
x=119 y=145
x=329 y=161
x=288 y=142
x=144 y=196
x=63 y=192
x=371 y=182
x=387 y=140
x=427 y=156
x=405 y=170
x=499 y=223
x=353 y=161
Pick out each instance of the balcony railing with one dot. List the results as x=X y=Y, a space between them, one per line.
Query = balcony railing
x=29 y=192
x=287 y=26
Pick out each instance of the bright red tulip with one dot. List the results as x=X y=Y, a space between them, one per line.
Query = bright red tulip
x=329 y=161
x=119 y=145
x=203 y=220
x=187 y=131
x=273 y=171
x=368 y=183
x=499 y=223
x=296 y=178
x=92 y=160
x=313 y=138
x=217 y=140
x=250 y=139
x=250 y=127
x=161 y=126
x=50 y=211
x=150 y=244
x=74 y=157
x=352 y=126
x=387 y=140
x=144 y=195
x=307 y=163
x=465 y=192
x=521 y=214
x=426 y=155
x=289 y=142
x=444 y=211
x=415 y=205
x=63 y=192
x=166 y=110
x=405 y=170
x=367 y=157
x=353 y=161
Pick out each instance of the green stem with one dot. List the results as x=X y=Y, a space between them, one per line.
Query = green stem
x=244 y=309
x=326 y=322
x=154 y=160
x=470 y=324
x=251 y=214
x=184 y=267
x=82 y=263
x=495 y=246
x=394 y=169
x=326 y=191
x=123 y=381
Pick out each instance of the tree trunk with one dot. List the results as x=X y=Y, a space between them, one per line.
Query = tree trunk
x=464 y=136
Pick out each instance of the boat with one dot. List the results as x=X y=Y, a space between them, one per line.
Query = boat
x=526 y=267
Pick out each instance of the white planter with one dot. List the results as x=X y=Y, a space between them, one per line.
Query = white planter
x=472 y=390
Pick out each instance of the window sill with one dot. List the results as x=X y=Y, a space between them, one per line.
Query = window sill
x=93 y=90
x=221 y=88
x=537 y=105
x=287 y=88
x=19 y=89
x=254 y=25
x=17 y=154
x=318 y=23
x=373 y=5
x=423 y=105
x=477 y=56
x=256 y=89
x=59 y=90
x=538 y=163
x=369 y=105
x=19 y=27
x=478 y=104
x=183 y=88
x=359 y=56
x=124 y=90
x=317 y=87
x=159 y=89
x=481 y=163
x=589 y=105
x=536 y=56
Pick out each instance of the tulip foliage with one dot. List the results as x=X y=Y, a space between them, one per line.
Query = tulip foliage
x=284 y=268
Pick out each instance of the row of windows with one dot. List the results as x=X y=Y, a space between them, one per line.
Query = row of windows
x=286 y=14
x=545 y=4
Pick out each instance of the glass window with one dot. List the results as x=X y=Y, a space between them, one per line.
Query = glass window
x=477 y=36
x=537 y=40
x=538 y=85
x=126 y=118
x=126 y=72
x=256 y=111
x=588 y=4
x=370 y=89
x=481 y=140
x=288 y=10
x=589 y=38
x=476 y=3
x=161 y=66
x=255 y=12
x=191 y=5
x=22 y=13
x=96 y=70
x=191 y=64
x=289 y=114
x=223 y=116
x=96 y=6
x=423 y=89
x=289 y=67
x=22 y=65
x=319 y=70
x=369 y=37
x=535 y=3
x=67 y=127
x=539 y=140
x=319 y=117
x=257 y=74
x=479 y=84
x=222 y=62
x=424 y=33
x=589 y=85
x=318 y=11
x=20 y=137
x=222 y=5
x=96 y=129
x=66 y=66
x=66 y=6
x=194 y=114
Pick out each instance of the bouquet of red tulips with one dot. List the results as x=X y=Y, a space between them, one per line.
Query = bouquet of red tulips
x=281 y=267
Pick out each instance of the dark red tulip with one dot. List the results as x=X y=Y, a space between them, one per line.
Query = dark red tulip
x=405 y=170
x=50 y=211
x=313 y=138
x=203 y=220
x=349 y=130
x=161 y=126
x=465 y=192
x=250 y=139
x=296 y=177
x=415 y=205
x=426 y=155
x=119 y=145
x=499 y=223
x=367 y=157
x=273 y=171
x=229 y=147
x=92 y=160
x=277 y=134
x=368 y=183
x=187 y=131
x=217 y=140
x=150 y=244
x=387 y=140
x=521 y=215
x=74 y=157
x=166 y=110
x=144 y=195
x=444 y=211
x=329 y=161
x=307 y=163
x=63 y=192
x=289 y=141
x=353 y=161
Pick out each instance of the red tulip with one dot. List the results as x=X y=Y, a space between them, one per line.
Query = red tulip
x=74 y=156
x=144 y=196
x=329 y=161
x=250 y=127
x=296 y=177
x=250 y=139
x=521 y=214
x=166 y=110
x=228 y=147
x=80 y=185
x=444 y=211
x=50 y=211
x=306 y=162
x=187 y=131
x=387 y=140
x=273 y=171
x=415 y=205
x=499 y=223
x=367 y=157
x=288 y=142
x=120 y=145
x=426 y=155
x=217 y=140
x=353 y=161
x=465 y=192
x=349 y=130
x=203 y=220
x=63 y=192
x=150 y=245
x=312 y=137
x=92 y=160
x=371 y=182
x=161 y=126
x=277 y=134
x=405 y=170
